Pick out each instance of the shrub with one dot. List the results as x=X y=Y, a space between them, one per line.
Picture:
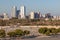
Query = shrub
x=2 y=33
x=53 y=31
x=58 y=29
x=26 y=32
x=18 y=32
x=11 y=34
x=42 y=30
x=47 y=32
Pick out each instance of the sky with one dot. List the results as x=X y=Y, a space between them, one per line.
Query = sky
x=44 y=6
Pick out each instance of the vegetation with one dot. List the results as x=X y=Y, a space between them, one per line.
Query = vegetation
x=18 y=33
x=53 y=30
x=49 y=31
x=26 y=32
x=11 y=34
x=14 y=33
x=2 y=33
x=42 y=30
x=24 y=22
x=58 y=29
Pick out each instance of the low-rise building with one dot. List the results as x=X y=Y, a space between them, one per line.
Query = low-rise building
x=34 y=15
x=5 y=17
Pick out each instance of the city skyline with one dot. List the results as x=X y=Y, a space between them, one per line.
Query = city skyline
x=49 y=6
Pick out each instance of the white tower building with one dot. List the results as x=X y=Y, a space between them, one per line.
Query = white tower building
x=14 y=11
x=22 y=12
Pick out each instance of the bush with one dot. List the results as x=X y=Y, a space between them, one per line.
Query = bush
x=47 y=32
x=2 y=33
x=42 y=30
x=58 y=29
x=26 y=32
x=53 y=31
x=11 y=34
x=18 y=32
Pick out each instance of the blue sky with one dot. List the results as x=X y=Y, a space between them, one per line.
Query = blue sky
x=44 y=6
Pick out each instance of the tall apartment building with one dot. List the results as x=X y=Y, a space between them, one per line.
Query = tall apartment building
x=13 y=11
x=17 y=14
x=22 y=13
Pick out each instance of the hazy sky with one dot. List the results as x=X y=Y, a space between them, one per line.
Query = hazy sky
x=44 y=6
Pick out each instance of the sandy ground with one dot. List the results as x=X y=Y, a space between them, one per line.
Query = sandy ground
x=33 y=30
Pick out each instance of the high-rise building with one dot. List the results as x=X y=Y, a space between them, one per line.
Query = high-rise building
x=22 y=12
x=17 y=14
x=14 y=11
x=1 y=16
x=36 y=15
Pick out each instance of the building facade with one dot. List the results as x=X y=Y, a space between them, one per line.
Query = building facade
x=34 y=15
x=5 y=17
x=31 y=15
x=17 y=14
x=22 y=12
x=13 y=11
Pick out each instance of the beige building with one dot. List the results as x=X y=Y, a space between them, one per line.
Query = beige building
x=32 y=15
x=56 y=18
x=13 y=11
